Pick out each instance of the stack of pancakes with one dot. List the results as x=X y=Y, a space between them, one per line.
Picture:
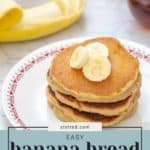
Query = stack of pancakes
x=75 y=98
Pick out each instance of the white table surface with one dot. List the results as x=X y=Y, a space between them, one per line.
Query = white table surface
x=101 y=17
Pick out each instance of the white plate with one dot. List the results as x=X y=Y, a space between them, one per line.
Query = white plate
x=23 y=92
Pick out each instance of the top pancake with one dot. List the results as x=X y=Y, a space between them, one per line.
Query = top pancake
x=117 y=86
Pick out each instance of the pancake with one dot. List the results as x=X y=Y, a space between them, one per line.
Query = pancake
x=67 y=118
x=107 y=109
x=69 y=114
x=116 y=87
x=110 y=109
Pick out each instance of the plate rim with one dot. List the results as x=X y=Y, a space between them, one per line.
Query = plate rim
x=47 y=47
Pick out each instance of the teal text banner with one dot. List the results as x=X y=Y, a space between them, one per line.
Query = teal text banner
x=118 y=139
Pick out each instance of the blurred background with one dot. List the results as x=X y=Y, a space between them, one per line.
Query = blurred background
x=100 y=18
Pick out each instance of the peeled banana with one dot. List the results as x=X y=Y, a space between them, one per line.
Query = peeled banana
x=97 y=69
x=44 y=20
x=79 y=57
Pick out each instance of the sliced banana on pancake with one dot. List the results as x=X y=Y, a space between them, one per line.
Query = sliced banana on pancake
x=79 y=57
x=97 y=49
x=97 y=69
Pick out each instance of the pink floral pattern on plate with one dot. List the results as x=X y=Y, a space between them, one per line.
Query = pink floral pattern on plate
x=39 y=58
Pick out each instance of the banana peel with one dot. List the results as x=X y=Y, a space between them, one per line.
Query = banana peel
x=44 y=20
x=10 y=14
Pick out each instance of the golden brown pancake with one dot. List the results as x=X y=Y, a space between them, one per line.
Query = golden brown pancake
x=67 y=113
x=116 y=87
x=67 y=118
x=110 y=109
x=107 y=109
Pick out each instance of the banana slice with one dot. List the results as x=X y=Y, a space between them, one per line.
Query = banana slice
x=97 y=69
x=79 y=57
x=97 y=49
